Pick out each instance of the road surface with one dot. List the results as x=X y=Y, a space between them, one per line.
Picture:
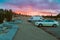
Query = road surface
x=28 y=31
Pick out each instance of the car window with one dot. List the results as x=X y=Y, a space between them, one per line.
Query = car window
x=49 y=21
x=40 y=21
x=46 y=21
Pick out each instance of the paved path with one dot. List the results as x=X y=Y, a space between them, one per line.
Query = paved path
x=28 y=31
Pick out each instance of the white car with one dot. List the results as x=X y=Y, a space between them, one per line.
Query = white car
x=52 y=23
x=35 y=18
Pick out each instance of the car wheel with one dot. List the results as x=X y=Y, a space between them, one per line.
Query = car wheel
x=40 y=25
x=54 y=25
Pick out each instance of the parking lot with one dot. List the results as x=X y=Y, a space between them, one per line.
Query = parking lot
x=53 y=31
x=27 y=31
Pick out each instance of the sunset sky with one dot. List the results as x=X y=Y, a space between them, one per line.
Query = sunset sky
x=30 y=6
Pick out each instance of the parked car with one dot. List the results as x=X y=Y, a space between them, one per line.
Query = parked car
x=35 y=18
x=52 y=23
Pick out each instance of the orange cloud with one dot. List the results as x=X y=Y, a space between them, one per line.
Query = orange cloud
x=29 y=10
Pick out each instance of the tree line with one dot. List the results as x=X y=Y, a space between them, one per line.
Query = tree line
x=8 y=14
x=5 y=14
x=53 y=17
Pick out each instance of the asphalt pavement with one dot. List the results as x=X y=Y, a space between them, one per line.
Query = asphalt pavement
x=55 y=31
x=28 y=31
